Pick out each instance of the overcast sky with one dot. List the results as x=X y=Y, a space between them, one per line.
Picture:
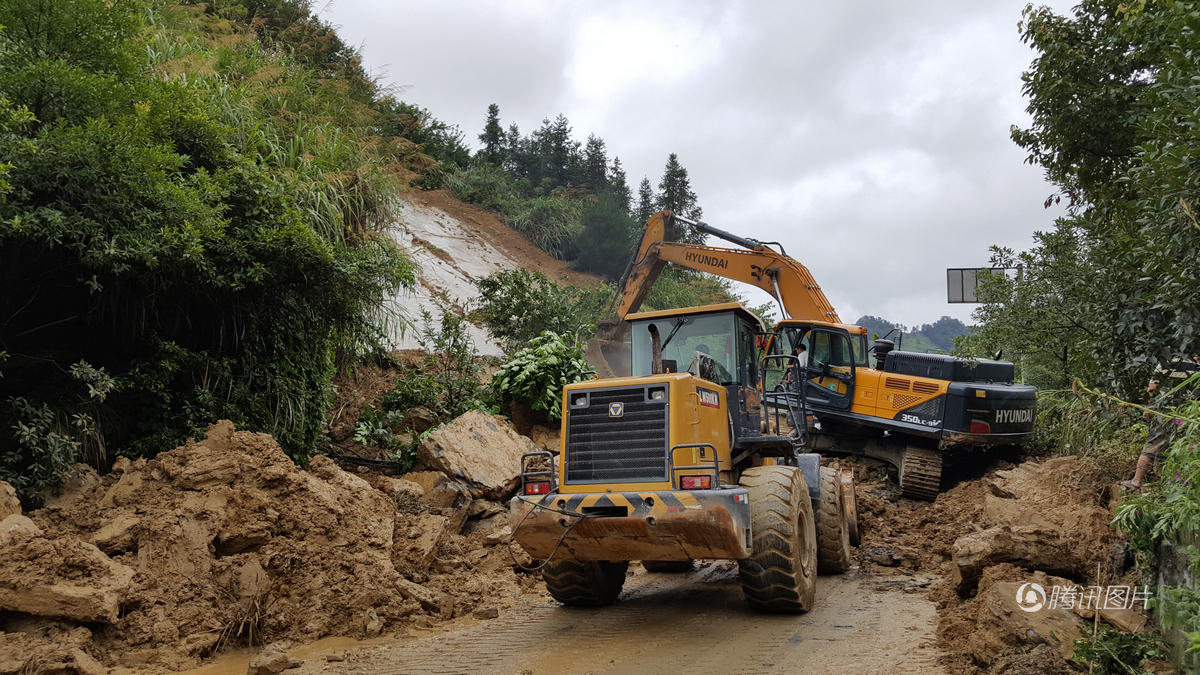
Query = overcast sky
x=870 y=138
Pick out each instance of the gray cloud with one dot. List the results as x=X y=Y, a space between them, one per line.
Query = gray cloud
x=870 y=138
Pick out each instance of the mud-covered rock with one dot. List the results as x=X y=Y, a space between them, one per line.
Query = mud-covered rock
x=58 y=578
x=17 y=528
x=438 y=489
x=417 y=545
x=9 y=503
x=118 y=534
x=483 y=450
x=271 y=661
x=1009 y=624
x=1030 y=547
x=419 y=419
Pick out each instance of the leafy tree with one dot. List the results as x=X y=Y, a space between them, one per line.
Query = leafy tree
x=877 y=325
x=608 y=237
x=675 y=190
x=175 y=250
x=1109 y=291
x=618 y=185
x=517 y=305
x=645 y=203
x=516 y=160
x=943 y=332
x=444 y=142
x=552 y=142
x=595 y=164
x=493 y=137
x=675 y=193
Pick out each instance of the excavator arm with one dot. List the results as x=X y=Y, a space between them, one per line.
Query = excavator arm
x=785 y=279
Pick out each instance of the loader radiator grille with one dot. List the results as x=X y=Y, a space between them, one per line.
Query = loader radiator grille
x=619 y=436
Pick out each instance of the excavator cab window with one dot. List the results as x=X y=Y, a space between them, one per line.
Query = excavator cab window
x=832 y=358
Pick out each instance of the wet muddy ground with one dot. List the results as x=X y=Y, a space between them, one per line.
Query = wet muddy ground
x=663 y=623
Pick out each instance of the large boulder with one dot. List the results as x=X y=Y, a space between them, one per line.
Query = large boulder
x=1002 y=623
x=61 y=578
x=1030 y=547
x=482 y=450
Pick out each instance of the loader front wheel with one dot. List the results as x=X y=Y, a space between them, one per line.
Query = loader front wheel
x=781 y=574
x=833 y=529
x=584 y=583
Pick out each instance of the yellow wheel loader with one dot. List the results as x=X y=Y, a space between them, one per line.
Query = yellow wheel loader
x=688 y=458
x=910 y=410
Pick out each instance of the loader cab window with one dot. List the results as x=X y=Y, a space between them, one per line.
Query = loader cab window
x=705 y=345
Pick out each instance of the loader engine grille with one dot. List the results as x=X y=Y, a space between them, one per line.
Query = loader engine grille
x=617 y=435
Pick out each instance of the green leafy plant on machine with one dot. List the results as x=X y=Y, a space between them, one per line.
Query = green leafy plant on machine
x=536 y=375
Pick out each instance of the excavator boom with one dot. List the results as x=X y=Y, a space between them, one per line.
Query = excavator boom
x=786 y=280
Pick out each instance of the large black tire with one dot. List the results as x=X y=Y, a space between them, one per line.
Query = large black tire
x=781 y=574
x=668 y=566
x=850 y=504
x=584 y=583
x=833 y=532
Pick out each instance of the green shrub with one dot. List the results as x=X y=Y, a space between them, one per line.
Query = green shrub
x=551 y=223
x=447 y=381
x=608 y=238
x=1113 y=652
x=1106 y=436
x=517 y=305
x=537 y=374
x=1172 y=504
x=485 y=186
x=212 y=243
x=680 y=287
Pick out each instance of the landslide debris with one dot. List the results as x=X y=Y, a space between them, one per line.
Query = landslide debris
x=1038 y=521
x=226 y=542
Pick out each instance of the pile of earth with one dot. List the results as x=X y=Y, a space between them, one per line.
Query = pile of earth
x=226 y=542
x=1045 y=522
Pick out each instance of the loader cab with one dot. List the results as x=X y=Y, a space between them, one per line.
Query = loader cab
x=713 y=342
x=835 y=352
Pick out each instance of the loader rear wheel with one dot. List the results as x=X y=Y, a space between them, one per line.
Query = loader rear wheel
x=833 y=531
x=850 y=503
x=584 y=583
x=668 y=566
x=781 y=574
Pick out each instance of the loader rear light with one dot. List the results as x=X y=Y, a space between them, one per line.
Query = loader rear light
x=695 y=482
x=978 y=427
x=540 y=487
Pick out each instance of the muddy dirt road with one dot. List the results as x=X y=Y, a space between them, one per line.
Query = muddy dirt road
x=862 y=624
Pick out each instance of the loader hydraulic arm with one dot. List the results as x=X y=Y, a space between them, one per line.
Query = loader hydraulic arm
x=785 y=279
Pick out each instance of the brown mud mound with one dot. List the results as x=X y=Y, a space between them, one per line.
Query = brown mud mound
x=231 y=543
x=1039 y=520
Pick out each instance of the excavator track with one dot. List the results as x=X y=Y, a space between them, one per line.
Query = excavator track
x=921 y=473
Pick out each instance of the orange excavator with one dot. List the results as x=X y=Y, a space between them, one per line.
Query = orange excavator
x=910 y=409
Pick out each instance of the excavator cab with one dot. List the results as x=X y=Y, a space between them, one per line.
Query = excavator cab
x=833 y=355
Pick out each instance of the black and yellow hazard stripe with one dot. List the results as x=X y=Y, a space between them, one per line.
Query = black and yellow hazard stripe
x=639 y=504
